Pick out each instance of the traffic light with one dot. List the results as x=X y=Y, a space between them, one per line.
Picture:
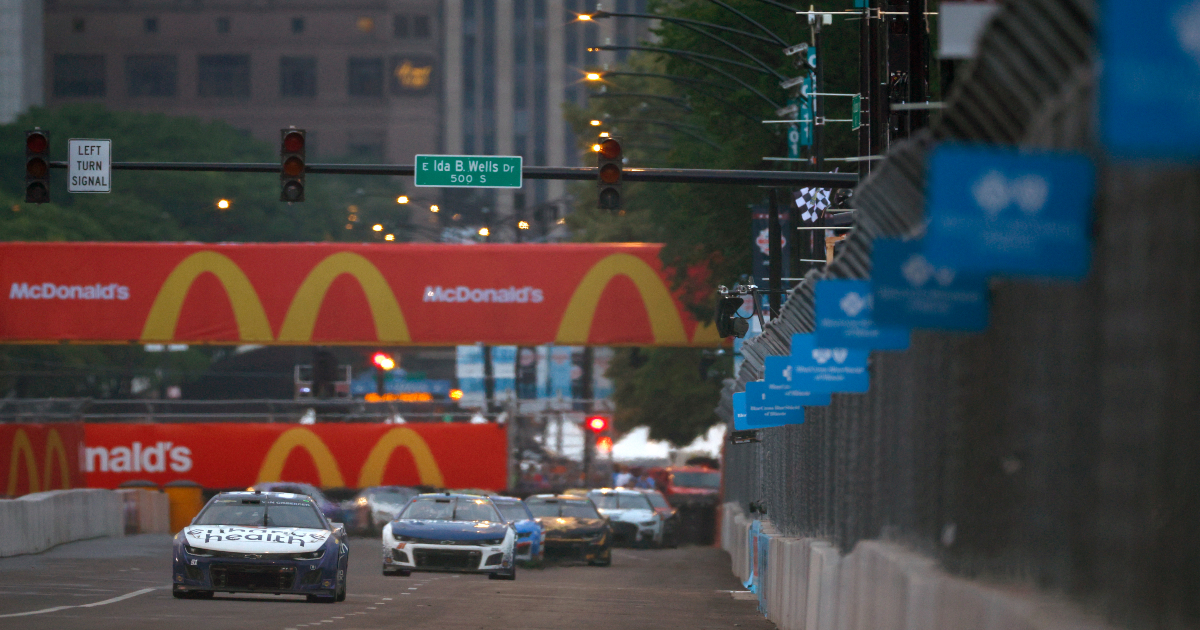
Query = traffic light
x=37 y=166
x=383 y=363
x=596 y=424
x=729 y=324
x=324 y=374
x=609 y=161
x=291 y=165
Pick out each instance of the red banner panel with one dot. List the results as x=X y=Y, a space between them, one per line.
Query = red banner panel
x=324 y=293
x=40 y=457
x=229 y=455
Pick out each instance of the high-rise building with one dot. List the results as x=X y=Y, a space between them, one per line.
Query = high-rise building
x=360 y=75
x=20 y=57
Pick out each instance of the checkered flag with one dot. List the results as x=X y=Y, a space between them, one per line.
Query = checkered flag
x=813 y=202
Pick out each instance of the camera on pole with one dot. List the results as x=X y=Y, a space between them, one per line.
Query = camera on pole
x=37 y=166
x=291 y=165
x=729 y=323
x=610 y=162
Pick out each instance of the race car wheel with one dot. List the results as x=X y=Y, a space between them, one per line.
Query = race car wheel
x=603 y=562
x=395 y=573
x=317 y=599
x=341 y=594
x=511 y=575
x=202 y=594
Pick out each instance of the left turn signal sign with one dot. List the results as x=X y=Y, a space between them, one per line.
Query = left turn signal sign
x=291 y=164
x=37 y=166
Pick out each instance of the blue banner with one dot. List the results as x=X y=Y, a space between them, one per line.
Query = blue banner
x=468 y=369
x=912 y=292
x=504 y=372
x=836 y=370
x=765 y=408
x=1150 y=78
x=997 y=211
x=739 y=412
x=781 y=382
x=844 y=318
x=561 y=367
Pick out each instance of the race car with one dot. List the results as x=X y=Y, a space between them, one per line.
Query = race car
x=261 y=542
x=574 y=529
x=530 y=535
x=459 y=533
x=632 y=517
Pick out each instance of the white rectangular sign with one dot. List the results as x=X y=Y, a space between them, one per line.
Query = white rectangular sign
x=88 y=165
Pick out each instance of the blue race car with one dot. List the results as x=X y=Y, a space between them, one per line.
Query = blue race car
x=261 y=542
x=450 y=532
x=530 y=534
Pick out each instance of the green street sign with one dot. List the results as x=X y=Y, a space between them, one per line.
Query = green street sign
x=468 y=171
x=856 y=112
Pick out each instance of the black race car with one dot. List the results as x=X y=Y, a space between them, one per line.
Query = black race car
x=574 y=529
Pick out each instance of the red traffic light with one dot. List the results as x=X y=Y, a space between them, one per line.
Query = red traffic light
x=383 y=361
x=596 y=424
x=293 y=142
x=610 y=149
x=36 y=142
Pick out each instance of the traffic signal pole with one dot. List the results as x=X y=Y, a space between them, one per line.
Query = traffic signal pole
x=578 y=173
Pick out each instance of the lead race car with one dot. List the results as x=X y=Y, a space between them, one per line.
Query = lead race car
x=261 y=542
x=461 y=533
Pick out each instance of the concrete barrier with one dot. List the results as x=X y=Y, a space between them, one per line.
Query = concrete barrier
x=39 y=521
x=146 y=511
x=809 y=585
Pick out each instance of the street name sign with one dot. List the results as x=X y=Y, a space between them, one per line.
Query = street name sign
x=88 y=166
x=856 y=112
x=997 y=211
x=468 y=171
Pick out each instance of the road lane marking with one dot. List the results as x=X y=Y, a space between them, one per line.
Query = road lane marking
x=100 y=603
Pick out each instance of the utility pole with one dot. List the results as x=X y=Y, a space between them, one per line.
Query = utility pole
x=918 y=64
x=818 y=109
x=867 y=102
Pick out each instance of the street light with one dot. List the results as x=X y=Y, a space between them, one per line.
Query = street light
x=595 y=123
x=483 y=231
x=390 y=237
x=223 y=204
x=434 y=208
x=523 y=225
x=377 y=227
x=593 y=76
x=402 y=199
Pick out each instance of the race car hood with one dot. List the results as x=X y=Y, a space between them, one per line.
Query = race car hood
x=629 y=516
x=570 y=526
x=255 y=539
x=458 y=531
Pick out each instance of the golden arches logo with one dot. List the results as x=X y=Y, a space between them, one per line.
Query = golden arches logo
x=328 y=473
x=247 y=309
x=427 y=467
x=22 y=448
x=302 y=314
x=665 y=321
x=301 y=318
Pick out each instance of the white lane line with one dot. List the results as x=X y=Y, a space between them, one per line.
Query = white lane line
x=386 y=599
x=101 y=603
x=406 y=593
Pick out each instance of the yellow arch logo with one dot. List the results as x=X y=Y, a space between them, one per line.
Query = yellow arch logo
x=665 y=322
x=328 y=472
x=427 y=467
x=247 y=309
x=22 y=448
x=302 y=314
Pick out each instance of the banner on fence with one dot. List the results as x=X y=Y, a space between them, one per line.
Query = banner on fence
x=354 y=455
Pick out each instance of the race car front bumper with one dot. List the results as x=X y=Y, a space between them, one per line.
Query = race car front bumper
x=407 y=556
x=246 y=575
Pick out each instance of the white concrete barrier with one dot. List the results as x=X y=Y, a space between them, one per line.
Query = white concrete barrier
x=146 y=511
x=39 y=521
x=809 y=585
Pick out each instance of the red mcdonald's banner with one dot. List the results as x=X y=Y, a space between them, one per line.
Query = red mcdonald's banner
x=570 y=294
x=40 y=457
x=232 y=455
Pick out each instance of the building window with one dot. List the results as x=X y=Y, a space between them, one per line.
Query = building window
x=224 y=75
x=79 y=75
x=365 y=76
x=298 y=25
x=420 y=26
x=223 y=25
x=151 y=25
x=298 y=76
x=78 y=25
x=366 y=145
x=365 y=24
x=150 y=75
x=400 y=26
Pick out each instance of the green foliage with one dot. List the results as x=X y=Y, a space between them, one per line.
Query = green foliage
x=670 y=390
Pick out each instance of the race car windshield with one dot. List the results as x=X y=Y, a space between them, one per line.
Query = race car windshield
x=565 y=509
x=391 y=496
x=697 y=479
x=260 y=514
x=513 y=511
x=617 y=501
x=657 y=500
x=450 y=509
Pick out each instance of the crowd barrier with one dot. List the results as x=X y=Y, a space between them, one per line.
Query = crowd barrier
x=806 y=584
x=39 y=521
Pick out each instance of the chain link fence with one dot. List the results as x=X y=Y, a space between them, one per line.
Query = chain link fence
x=1061 y=447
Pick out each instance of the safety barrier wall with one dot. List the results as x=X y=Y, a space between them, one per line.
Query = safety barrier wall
x=39 y=521
x=809 y=585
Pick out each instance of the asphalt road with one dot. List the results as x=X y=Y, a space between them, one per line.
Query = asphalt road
x=125 y=583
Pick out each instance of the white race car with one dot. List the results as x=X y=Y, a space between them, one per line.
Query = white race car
x=261 y=542
x=450 y=532
x=632 y=517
